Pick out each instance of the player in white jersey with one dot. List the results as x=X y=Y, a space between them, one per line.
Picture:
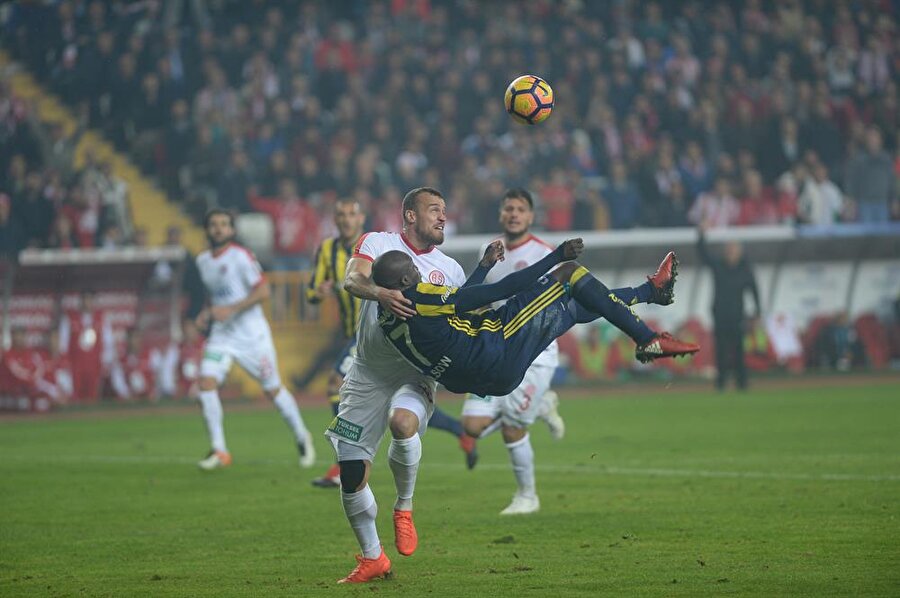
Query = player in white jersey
x=236 y=288
x=381 y=389
x=515 y=412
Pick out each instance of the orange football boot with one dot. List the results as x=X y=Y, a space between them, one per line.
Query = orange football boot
x=405 y=537
x=369 y=569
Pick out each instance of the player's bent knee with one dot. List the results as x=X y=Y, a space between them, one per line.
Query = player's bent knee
x=404 y=423
x=353 y=475
x=565 y=271
x=511 y=434
x=474 y=425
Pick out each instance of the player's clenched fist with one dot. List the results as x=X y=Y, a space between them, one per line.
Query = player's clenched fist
x=572 y=248
x=494 y=253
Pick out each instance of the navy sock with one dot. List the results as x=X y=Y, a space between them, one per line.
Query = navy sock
x=593 y=295
x=442 y=421
x=634 y=295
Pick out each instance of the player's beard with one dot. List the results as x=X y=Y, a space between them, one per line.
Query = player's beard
x=431 y=236
x=218 y=244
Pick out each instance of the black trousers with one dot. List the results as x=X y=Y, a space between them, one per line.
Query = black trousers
x=729 y=337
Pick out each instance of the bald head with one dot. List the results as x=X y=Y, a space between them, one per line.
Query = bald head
x=395 y=270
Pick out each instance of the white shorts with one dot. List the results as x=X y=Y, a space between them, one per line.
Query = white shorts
x=518 y=409
x=367 y=397
x=257 y=357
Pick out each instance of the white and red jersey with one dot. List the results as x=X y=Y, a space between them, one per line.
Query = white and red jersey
x=520 y=255
x=19 y=370
x=57 y=381
x=436 y=267
x=135 y=374
x=87 y=337
x=230 y=274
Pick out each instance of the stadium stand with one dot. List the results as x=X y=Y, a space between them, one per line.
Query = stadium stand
x=656 y=102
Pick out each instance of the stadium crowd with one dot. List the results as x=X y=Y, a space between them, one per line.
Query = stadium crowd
x=667 y=113
x=44 y=200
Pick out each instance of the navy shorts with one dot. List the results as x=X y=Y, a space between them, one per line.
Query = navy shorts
x=531 y=321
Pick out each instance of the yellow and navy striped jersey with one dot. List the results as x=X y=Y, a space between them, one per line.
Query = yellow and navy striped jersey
x=482 y=352
x=331 y=264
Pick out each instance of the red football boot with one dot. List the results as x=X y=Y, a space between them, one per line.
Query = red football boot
x=663 y=281
x=664 y=345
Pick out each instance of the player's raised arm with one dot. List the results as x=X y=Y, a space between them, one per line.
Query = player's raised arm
x=358 y=282
x=495 y=252
x=473 y=297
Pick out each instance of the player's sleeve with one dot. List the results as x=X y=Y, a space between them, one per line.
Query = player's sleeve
x=320 y=274
x=251 y=272
x=477 y=276
x=369 y=247
x=432 y=300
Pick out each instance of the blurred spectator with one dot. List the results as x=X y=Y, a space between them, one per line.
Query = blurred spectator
x=34 y=211
x=870 y=180
x=622 y=198
x=758 y=204
x=235 y=182
x=62 y=236
x=57 y=381
x=87 y=339
x=821 y=202
x=134 y=374
x=296 y=226
x=20 y=368
x=838 y=346
x=12 y=237
x=558 y=201
x=717 y=208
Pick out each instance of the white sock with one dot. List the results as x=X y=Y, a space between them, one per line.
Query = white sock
x=360 y=508
x=287 y=406
x=212 y=413
x=521 y=455
x=404 y=456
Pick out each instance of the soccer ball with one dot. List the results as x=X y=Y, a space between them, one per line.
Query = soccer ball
x=529 y=99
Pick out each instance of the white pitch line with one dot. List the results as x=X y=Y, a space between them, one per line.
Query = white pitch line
x=550 y=468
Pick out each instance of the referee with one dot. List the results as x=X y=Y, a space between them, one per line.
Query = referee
x=732 y=277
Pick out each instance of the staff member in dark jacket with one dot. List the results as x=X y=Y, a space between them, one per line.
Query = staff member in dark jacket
x=732 y=277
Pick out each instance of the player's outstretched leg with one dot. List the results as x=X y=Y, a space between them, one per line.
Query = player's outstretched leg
x=521 y=456
x=361 y=509
x=442 y=421
x=597 y=298
x=287 y=407
x=659 y=289
x=213 y=416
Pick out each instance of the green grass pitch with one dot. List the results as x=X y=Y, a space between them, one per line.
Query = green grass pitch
x=663 y=493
